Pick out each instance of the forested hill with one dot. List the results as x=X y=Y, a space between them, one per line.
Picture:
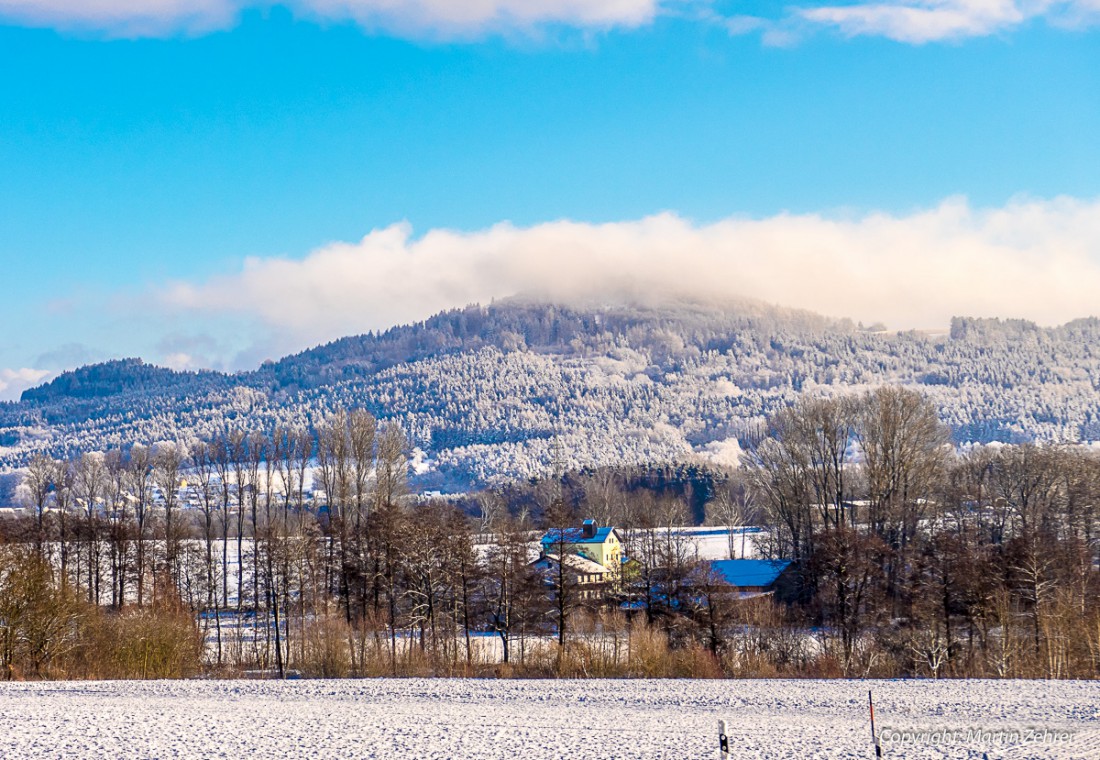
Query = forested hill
x=119 y=377
x=510 y=326
x=483 y=390
x=518 y=325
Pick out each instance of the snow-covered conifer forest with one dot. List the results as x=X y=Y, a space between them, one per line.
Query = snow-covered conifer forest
x=483 y=392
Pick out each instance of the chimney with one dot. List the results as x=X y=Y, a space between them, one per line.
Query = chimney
x=588 y=529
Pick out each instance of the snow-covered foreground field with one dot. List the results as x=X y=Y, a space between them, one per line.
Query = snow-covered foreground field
x=468 y=719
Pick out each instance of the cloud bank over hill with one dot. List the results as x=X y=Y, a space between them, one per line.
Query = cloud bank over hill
x=909 y=21
x=1035 y=259
x=15 y=381
x=1031 y=258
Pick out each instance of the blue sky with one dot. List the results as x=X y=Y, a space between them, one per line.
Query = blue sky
x=168 y=166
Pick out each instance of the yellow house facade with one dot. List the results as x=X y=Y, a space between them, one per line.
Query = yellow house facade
x=600 y=545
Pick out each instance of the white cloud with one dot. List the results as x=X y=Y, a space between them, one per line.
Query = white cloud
x=178 y=361
x=446 y=18
x=1037 y=259
x=921 y=21
x=14 y=381
x=472 y=16
x=912 y=21
x=130 y=18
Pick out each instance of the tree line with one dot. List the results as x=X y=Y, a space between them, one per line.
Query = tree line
x=921 y=559
x=300 y=549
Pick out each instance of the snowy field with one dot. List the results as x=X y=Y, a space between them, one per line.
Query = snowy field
x=476 y=719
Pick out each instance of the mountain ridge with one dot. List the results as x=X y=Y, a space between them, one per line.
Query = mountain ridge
x=420 y=339
x=484 y=390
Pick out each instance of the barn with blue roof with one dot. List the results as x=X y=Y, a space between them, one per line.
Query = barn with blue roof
x=752 y=576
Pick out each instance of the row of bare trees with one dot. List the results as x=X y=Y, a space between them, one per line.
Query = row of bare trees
x=918 y=558
x=300 y=549
x=277 y=542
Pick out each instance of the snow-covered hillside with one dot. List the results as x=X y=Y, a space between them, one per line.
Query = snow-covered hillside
x=483 y=391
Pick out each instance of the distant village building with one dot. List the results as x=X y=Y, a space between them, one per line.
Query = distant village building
x=604 y=546
x=591 y=556
x=591 y=579
x=754 y=577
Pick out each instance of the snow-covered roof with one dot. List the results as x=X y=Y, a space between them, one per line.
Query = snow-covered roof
x=750 y=573
x=579 y=564
x=576 y=536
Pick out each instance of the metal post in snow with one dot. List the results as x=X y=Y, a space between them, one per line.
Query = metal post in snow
x=723 y=741
x=874 y=736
